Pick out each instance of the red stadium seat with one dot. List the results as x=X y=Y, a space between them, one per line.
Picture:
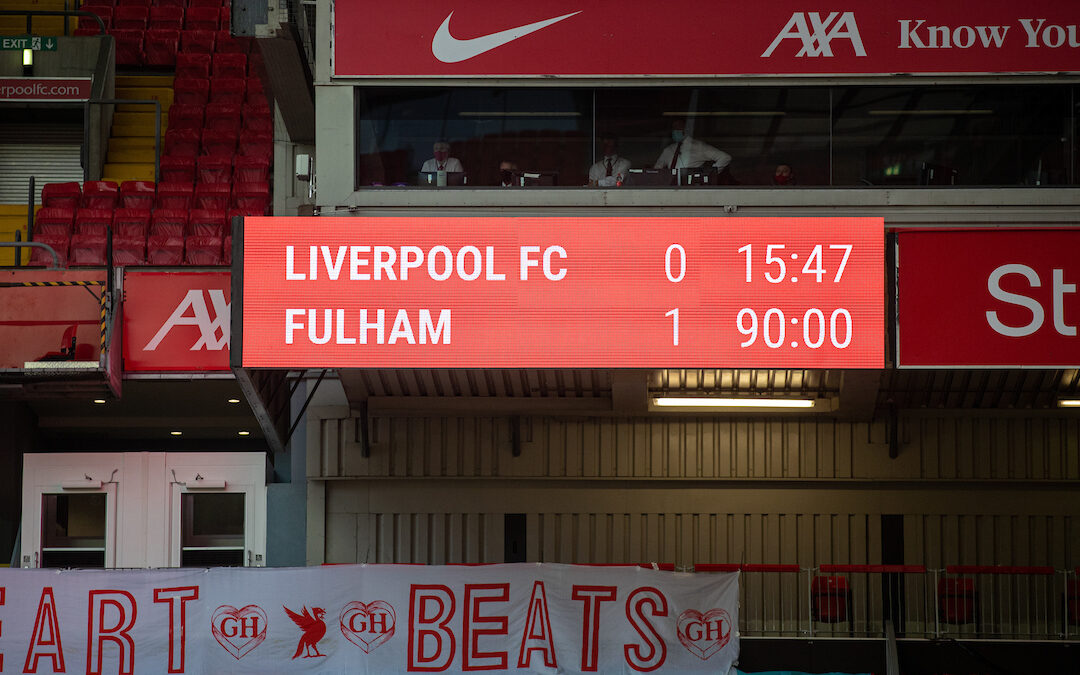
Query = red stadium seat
x=212 y=196
x=190 y=90
x=830 y=599
x=206 y=223
x=256 y=144
x=202 y=18
x=230 y=65
x=176 y=169
x=215 y=169
x=192 y=65
x=185 y=116
x=224 y=116
x=255 y=92
x=204 y=3
x=224 y=18
x=129 y=46
x=136 y=3
x=104 y=12
x=130 y=17
x=59 y=243
x=137 y=194
x=129 y=250
x=259 y=123
x=227 y=44
x=66 y=195
x=227 y=90
x=93 y=221
x=958 y=601
x=226 y=251
x=99 y=194
x=202 y=250
x=183 y=142
x=251 y=169
x=89 y=31
x=131 y=223
x=174 y=196
x=164 y=249
x=173 y=3
x=200 y=41
x=169 y=222
x=255 y=64
x=252 y=197
x=54 y=220
x=87 y=249
x=161 y=46
x=167 y=17
x=218 y=142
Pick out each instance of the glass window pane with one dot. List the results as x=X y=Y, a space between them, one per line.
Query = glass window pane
x=212 y=533
x=959 y=134
x=73 y=530
x=542 y=130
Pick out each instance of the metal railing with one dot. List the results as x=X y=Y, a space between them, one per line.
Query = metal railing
x=861 y=601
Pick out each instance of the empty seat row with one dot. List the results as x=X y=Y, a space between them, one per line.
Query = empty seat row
x=223 y=116
x=252 y=198
x=215 y=169
x=201 y=90
x=170 y=17
x=137 y=222
x=195 y=142
x=218 y=64
x=160 y=3
x=94 y=194
x=157 y=249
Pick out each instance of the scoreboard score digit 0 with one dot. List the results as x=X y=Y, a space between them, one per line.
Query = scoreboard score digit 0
x=566 y=292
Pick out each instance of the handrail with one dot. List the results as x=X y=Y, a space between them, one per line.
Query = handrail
x=31 y=13
x=122 y=101
x=999 y=569
x=34 y=244
x=873 y=569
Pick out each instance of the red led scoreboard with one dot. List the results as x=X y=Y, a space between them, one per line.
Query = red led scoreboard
x=566 y=292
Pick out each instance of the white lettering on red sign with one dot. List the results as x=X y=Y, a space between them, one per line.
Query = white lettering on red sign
x=817 y=36
x=214 y=332
x=1059 y=290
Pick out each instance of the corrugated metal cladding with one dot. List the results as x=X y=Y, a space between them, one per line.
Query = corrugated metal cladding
x=972 y=490
x=51 y=153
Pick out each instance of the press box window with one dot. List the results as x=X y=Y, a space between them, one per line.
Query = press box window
x=212 y=530
x=73 y=530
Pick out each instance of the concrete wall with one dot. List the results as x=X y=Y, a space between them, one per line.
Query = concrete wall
x=970 y=490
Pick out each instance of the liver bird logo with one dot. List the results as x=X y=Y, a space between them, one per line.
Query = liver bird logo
x=314 y=629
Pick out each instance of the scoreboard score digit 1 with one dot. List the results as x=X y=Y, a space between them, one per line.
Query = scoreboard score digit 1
x=567 y=292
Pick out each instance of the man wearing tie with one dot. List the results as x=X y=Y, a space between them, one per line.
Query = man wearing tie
x=611 y=169
x=442 y=161
x=687 y=152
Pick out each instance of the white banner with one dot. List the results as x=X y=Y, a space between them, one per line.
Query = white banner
x=537 y=618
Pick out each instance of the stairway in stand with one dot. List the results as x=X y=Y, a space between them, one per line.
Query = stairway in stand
x=131 y=143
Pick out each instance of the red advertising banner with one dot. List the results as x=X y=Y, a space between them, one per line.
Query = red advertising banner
x=989 y=298
x=176 y=321
x=49 y=89
x=635 y=39
x=365 y=619
x=573 y=292
x=44 y=312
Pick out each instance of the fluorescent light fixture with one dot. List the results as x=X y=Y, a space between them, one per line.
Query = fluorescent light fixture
x=176 y=433
x=703 y=402
x=243 y=433
x=1069 y=402
x=27 y=57
x=502 y=113
x=725 y=113
x=234 y=401
x=943 y=111
x=99 y=401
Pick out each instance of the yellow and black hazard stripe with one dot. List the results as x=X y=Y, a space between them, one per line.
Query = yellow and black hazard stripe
x=48 y=284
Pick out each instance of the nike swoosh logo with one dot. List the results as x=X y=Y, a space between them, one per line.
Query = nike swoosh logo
x=449 y=49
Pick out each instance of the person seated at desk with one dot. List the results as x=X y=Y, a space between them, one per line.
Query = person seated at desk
x=783 y=175
x=610 y=170
x=442 y=161
x=507 y=171
x=687 y=152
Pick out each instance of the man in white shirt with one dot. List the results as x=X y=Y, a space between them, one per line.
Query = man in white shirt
x=611 y=169
x=687 y=152
x=442 y=161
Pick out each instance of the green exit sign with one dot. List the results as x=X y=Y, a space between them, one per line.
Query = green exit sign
x=35 y=42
